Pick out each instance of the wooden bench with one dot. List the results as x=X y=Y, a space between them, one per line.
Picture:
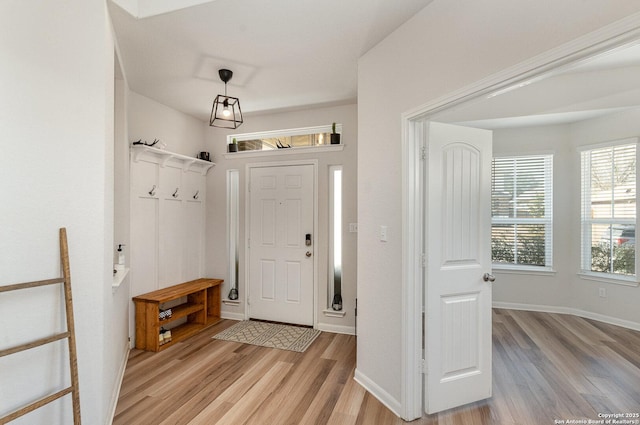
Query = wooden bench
x=201 y=310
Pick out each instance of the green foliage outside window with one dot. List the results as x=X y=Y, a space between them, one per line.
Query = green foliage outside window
x=624 y=259
x=531 y=250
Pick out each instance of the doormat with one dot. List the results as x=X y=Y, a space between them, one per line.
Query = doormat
x=272 y=335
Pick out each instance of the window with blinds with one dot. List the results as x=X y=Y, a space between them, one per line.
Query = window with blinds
x=522 y=212
x=609 y=199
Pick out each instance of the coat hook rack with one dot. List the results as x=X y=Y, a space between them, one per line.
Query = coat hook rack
x=175 y=194
x=196 y=195
x=152 y=192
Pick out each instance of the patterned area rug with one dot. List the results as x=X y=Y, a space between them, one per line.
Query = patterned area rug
x=273 y=335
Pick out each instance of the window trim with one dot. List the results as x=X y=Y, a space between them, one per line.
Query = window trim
x=609 y=278
x=609 y=144
x=335 y=229
x=547 y=221
x=525 y=270
x=605 y=277
x=233 y=233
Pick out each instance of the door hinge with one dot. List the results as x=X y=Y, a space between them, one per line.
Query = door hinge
x=423 y=153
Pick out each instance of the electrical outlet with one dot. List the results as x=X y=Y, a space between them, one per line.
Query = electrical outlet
x=602 y=292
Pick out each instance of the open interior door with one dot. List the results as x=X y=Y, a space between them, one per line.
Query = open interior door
x=458 y=249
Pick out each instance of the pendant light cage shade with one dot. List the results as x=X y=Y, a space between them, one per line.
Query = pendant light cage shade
x=226 y=112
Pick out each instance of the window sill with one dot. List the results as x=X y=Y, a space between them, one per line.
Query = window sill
x=604 y=278
x=534 y=271
x=288 y=151
x=334 y=313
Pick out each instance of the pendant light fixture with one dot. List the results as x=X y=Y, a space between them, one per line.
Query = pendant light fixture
x=226 y=111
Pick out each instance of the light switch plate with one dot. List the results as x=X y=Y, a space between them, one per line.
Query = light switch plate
x=383 y=233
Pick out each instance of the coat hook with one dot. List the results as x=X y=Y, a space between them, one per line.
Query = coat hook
x=196 y=195
x=152 y=192
x=175 y=194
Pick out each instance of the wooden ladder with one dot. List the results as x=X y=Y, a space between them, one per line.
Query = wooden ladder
x=74 y=389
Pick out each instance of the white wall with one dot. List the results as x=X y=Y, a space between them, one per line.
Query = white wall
x=117 y=303
x=545 y=289
x=565 y=290
x=445 y=47
x=150 y=120
x=56 y=170
x=217 y=256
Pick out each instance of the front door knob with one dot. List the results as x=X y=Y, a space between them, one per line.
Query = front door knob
x=488 y=277
x=308 y=254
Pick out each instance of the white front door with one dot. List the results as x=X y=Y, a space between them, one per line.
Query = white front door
x=458 y=248
x=281 y=260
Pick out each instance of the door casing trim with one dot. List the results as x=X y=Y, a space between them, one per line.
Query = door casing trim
x=414 y=138
x=247 y=227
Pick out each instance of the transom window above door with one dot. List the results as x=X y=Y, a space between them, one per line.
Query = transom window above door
x=285 y=139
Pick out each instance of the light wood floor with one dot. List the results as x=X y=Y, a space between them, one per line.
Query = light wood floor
x=546 y=367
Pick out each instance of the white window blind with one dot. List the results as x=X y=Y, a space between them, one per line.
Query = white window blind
x=522 y=211
x=609 y=199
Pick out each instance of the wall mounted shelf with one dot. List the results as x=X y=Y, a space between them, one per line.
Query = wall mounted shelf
x=118 y=277
x=163 y=157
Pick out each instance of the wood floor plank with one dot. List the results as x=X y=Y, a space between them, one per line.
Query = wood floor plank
x=348 y=405
x=320 y=410
x=277 y=408
x=203 y=391
x=251 y=401
x=546 y=367
x=373 y=412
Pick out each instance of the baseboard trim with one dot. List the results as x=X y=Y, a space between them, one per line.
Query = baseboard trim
x=116 y=391
x=567 y=310
x=376 y=391
x=232 y=316
x=337 y=329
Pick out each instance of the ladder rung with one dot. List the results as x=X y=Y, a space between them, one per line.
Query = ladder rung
x=34 y=284
x=34 y=344
x=35 y=405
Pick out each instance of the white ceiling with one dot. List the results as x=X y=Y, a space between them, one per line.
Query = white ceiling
x=602 y=85
x=285 y=54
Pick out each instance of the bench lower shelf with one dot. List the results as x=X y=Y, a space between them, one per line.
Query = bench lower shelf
x=184 y=331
